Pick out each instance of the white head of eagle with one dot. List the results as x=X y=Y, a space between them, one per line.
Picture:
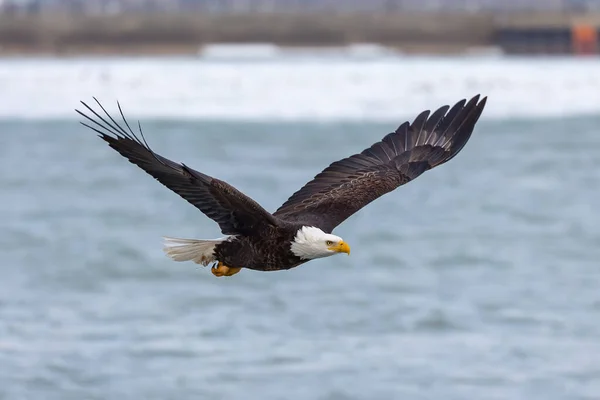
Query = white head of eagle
x=311 y=243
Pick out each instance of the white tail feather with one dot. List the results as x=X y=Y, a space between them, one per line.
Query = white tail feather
x=198 y=251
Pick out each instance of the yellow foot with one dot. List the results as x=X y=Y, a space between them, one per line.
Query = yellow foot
x=222 y=270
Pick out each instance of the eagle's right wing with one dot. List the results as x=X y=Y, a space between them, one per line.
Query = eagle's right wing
x=235 y=212
x=348 y=185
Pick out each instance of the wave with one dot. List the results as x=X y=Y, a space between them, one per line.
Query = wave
x=299 y=87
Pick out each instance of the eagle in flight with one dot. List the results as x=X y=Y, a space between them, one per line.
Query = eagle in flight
x=301 y=229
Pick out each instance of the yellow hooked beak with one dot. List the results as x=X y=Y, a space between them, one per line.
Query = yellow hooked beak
x=341 y=247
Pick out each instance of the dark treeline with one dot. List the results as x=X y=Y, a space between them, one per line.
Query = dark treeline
x=177 y=33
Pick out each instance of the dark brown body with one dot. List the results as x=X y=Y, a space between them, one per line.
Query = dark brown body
x=269 y=250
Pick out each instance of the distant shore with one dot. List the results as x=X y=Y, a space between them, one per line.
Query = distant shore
x=187 y=34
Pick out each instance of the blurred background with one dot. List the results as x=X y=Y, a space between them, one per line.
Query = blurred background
x=479 y=280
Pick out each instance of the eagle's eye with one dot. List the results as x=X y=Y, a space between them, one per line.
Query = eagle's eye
x=329 y=243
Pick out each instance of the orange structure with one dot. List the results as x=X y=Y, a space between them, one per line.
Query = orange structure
x=584 y=39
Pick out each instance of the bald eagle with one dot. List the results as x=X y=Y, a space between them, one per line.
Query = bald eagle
x=301 y=229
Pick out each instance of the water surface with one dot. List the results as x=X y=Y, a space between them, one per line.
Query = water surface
x=478 y=280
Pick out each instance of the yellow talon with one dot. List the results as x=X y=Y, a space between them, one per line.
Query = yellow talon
x=233 y=271
x=222 y=270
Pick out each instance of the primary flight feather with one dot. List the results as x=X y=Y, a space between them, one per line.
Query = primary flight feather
x=301 y=229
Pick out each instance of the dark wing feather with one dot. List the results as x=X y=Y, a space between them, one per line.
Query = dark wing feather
x=348 y=185
x=235 y=212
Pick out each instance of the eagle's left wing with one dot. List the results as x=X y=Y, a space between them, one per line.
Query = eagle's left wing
x=348 y=185
x=235 y=212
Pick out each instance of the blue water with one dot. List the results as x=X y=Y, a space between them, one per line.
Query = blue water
x=479 y=280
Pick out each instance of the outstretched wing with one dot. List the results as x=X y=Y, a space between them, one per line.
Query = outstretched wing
x=348 y=185
x=235 y=212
